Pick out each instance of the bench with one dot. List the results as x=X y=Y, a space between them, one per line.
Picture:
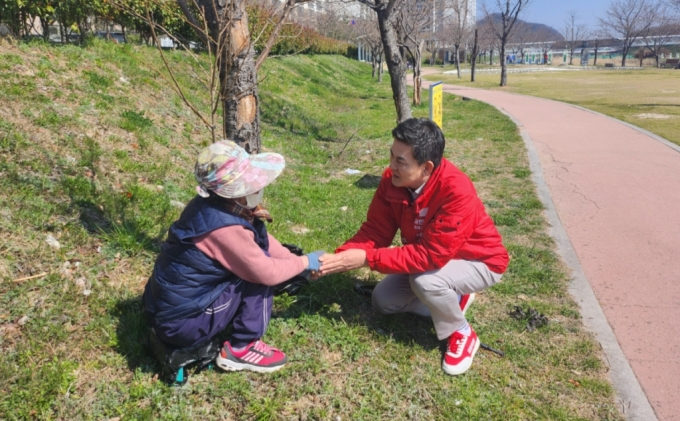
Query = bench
x=609 y=65
x=673 y=63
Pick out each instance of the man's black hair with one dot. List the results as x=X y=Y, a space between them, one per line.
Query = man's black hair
x=424 y=136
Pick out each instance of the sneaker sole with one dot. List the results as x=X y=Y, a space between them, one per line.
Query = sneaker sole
x=469 y=303
x=229 y=365
x=463 y=366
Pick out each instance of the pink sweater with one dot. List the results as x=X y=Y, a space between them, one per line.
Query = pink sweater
x=234 y=248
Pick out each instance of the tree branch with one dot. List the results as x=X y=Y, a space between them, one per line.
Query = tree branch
x=194 y=22
x=275 y=32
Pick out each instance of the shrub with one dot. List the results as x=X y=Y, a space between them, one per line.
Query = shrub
x=293 y=37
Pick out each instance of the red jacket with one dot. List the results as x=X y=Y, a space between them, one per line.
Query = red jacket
x=447 y=221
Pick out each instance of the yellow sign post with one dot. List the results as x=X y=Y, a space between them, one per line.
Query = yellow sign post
x=436 y=105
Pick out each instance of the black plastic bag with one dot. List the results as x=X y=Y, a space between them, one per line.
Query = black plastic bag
x=173 y=361
x=294 y=284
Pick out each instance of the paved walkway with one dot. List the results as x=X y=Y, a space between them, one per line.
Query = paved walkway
x=616 y=192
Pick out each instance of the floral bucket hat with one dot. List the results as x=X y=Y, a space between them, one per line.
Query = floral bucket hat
x=229 y=171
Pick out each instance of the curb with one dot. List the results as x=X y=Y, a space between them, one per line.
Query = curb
x=634 y=403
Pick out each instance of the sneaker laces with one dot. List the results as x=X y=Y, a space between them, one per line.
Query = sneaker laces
x=262 y=347
x=456 y=343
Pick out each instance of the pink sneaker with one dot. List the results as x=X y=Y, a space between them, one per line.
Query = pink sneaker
x=256 y=356
x=460 y=352
x=466 y=301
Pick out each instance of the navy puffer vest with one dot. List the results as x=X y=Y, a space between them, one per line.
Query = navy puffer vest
x=185 y=281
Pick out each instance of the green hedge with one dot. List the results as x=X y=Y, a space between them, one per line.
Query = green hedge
x=293 y=38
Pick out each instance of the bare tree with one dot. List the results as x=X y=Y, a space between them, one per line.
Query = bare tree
x=502 y=26
x=232 y=79
x=368 y=33
x=474 y=55
x=432 y=47
x=627 y=20
x=574 y=33
x=415 y=18
x=487 y=40
x=387 y=13
x=666 y=26
x=460 y=26
x=545 y=39
x=522 y=36
x=334 y=25
x=596 y=38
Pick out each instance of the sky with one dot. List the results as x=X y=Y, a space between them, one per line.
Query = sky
x=555 y=12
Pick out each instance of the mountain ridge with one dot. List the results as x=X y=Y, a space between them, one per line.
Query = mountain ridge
x=534 y=27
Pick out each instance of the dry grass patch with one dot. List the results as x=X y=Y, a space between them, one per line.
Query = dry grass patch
x=639 y=97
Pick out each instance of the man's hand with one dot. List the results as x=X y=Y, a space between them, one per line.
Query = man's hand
x=342 y=262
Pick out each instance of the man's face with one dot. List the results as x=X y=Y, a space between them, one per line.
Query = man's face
x=405 y=169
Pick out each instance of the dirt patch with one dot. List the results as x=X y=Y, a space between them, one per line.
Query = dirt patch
x=654 y=116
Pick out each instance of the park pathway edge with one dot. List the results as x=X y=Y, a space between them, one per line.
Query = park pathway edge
x=633 y=401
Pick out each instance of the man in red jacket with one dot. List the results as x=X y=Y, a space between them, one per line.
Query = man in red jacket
x=450 y=246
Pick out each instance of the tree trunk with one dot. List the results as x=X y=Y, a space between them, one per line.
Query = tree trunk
x=238 y=76
x=473 y=58
x=380 y=69
x=417 y=77
x=81 y=28
x=374 y=64
x=26 y=28
x=122 y=28
x=457 y=59
x=45 y=28
x=571 y=56
x=504 y=66
x=491 y=57
x=625 y=53
x=641 y=52
x=595 y=62
x=658 y=62
x=395 y=65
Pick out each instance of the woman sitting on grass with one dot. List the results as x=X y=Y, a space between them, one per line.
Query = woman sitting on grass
x=218 y=264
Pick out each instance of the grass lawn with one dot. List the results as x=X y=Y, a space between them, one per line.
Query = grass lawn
x=648 y=98
x=97 y=153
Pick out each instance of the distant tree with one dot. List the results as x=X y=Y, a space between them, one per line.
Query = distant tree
x=334 y=25
x=414 y=18
x=13 y=14
x=460 y=26
x=387 y=12
x=627 y=20
x=487 y=39
x=367 y=32
x=509 y=10
x=596 y=36
x=666 y=26
x=545 y=39
x=521 y=38
x=574 y=34
x=474 y=55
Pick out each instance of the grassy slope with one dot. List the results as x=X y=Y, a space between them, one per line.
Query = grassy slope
x=634 y=96
x=99 y=162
